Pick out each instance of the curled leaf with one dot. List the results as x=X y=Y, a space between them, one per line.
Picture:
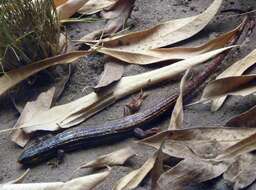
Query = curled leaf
x=118 y=157
x=236 y=69
x=237 y=85
x=149 y=56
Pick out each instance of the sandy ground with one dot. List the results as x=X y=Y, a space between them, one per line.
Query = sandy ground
x=87 y=71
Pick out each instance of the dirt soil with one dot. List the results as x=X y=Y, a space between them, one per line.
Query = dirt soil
x=146 y=13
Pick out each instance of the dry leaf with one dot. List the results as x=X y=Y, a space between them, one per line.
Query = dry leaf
x=13 y=77
x=94 y=6
x=163 y=34
x=236 y=69
x=116 y=17
x=199 y=143
x=144 y=57
x=177 y=113
x=134 y=178
x=75 y=112
x=118 y=157
x=246 y=119
x=189 y=172
x=42 y=103
x=246 y=145
x=242 y=172
x=135 y=104
x=81 y=183
x=69 y=8
x=113 y=72
x=237 y=85
x=20 y=179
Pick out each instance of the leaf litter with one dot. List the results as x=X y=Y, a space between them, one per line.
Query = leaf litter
x=206 y=153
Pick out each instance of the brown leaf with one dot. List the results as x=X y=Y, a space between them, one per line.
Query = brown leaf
x=134 y=178
x=14 y=77
x=117 y=16
x=189 y=172
x=42 y=103
x=246 y=119
x=203 y=143
x=236 y=69
x=113 y=72
x=118 y=157
x=149 y=56
x=163 y=34
x=237 y=85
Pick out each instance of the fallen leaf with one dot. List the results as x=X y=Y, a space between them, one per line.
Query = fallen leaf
x=116 y=17
x=177 y=113
x=163 y=34
x=21 y=178
x=113 y=72
x=236 y=69
x=198 y=143
x=13 y=77
x=242 y=172
x=94 y=6
x=118 y=157
x=190 y=172
x=73 y=113
x=42 y=103
x=149 y=56
x=246 y=119
x=81 y=183
x=69 y=8
x=237 y=85
x=134 y=178
x=245 y=145
x=76 y=112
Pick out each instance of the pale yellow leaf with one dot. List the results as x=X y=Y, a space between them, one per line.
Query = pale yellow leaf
x=21 y=178
x=177 y=113
x=42 y=103
x=118 y=157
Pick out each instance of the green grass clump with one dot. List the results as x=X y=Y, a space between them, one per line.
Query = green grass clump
x=29 y=31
